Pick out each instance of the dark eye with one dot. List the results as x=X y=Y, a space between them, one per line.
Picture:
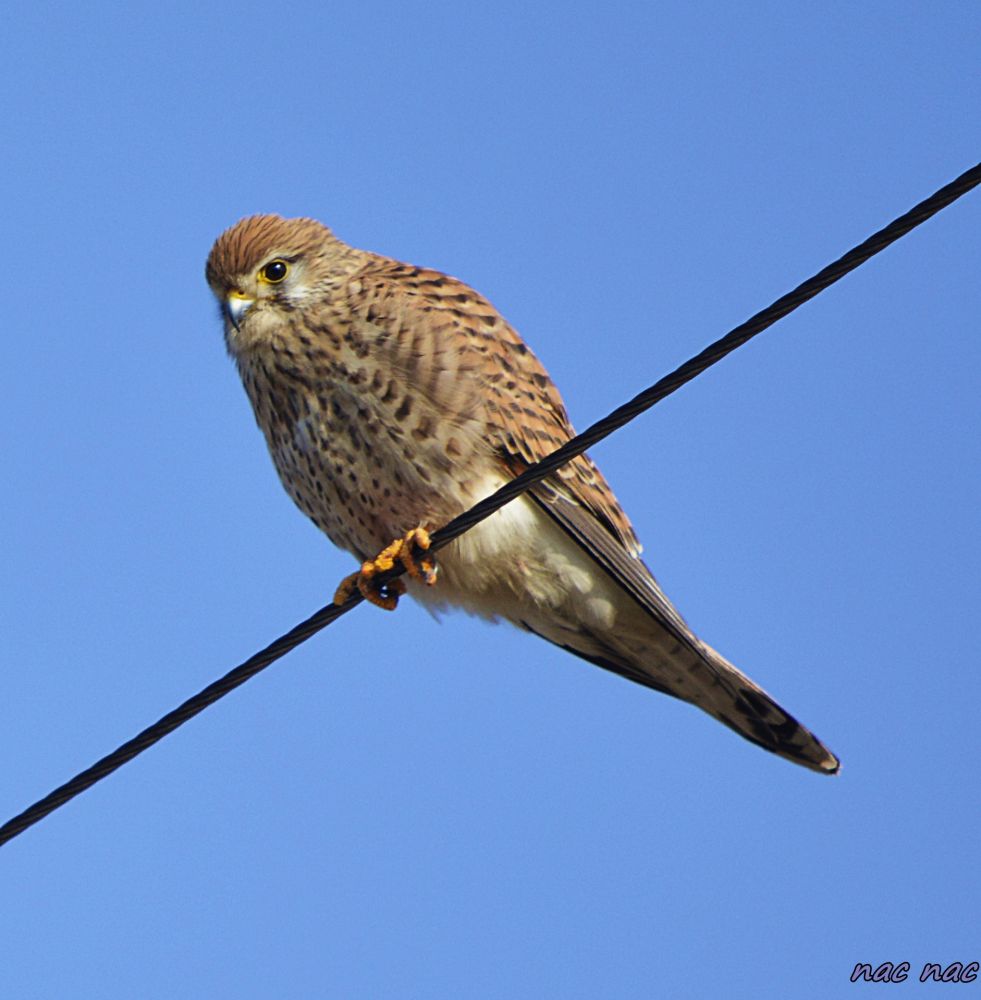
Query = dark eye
x=274 y=272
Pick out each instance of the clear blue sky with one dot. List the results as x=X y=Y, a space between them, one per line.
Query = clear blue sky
x=407 y=809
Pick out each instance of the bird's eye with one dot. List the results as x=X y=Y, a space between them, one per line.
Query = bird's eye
x=274 y=272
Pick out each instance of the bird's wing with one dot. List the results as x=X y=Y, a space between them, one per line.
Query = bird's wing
x=449 y=339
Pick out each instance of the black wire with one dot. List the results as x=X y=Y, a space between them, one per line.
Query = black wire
x=535 y=473
x=713 y=353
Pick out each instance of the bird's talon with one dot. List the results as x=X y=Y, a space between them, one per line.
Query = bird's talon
x=417 y=565
x=346 y=588
x=407 y=551
x=382 y=595
x=385 y=596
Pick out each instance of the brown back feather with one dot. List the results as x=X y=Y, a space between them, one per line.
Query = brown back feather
x=525 y=415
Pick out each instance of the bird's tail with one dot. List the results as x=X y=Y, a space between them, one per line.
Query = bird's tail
x=694 y=672
x=744 y=706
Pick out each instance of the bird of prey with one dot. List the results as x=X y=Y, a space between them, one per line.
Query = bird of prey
x=392 y=398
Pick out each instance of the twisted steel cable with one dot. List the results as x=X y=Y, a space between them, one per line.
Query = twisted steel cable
x=596 y=432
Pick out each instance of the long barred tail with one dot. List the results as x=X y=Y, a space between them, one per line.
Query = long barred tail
x=751 y=712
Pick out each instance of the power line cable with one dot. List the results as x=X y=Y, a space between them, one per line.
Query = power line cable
x=533 y=474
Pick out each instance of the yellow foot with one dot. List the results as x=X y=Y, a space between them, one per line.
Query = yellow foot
x=409 y=552
x=381 y=595
x=418 y=565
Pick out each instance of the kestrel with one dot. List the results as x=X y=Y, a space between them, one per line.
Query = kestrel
x=394 y=397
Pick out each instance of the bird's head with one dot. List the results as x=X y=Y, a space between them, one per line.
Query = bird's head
x=266 y=267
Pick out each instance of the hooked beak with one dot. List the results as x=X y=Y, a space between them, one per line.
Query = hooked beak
x=235 y=306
